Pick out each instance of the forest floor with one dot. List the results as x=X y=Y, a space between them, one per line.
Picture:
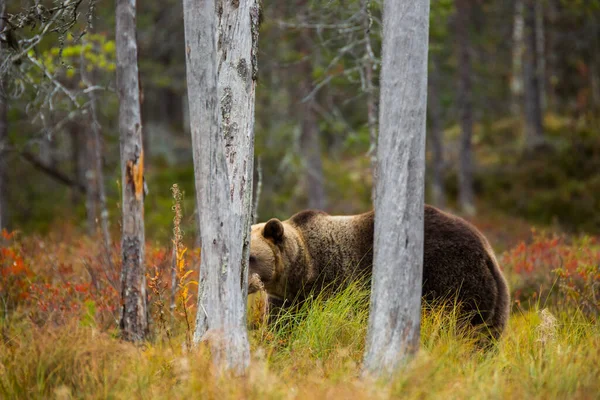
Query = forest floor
x=59 y=336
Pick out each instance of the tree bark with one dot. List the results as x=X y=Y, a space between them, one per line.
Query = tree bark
x=465 y=105
x=370 y=89
x=534 y=133
x=223 y=143
x=394 y=321
x=518 y=49
x=436 y=134
x=134 y=316
x=3 y=131
x=237 y=57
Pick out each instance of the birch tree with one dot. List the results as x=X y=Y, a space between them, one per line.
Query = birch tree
x=394 y=321
x=221 y=89
x=134 y=316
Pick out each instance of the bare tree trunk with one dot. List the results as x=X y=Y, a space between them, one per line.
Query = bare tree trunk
x=91 y=182
x=76 y=160
x=3 y=131
x=223 y=143
x=134 y=316
x=540 y=49
x=394 y=322
x=3 y=144
x=518 y=49
x=237 y=73
x=436 y=134
x=465 y=105
x=310 y=142
x=96 y=158
x=534 y=133
x=370 y=89
x=310 y=145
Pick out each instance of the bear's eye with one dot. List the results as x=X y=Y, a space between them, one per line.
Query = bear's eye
x=252 y=259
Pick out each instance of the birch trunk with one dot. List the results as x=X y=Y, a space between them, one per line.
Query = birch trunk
x=465 y=105
x=222 y=124
x=436 y=133
x=394 y=321
x=237 y=59
x=134 y=316
x=534 y=134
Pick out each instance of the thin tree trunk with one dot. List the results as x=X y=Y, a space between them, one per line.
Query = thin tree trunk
x=310 y=142
x=552 y=57
x=370 y=89
x=394 y=321
x=3 y=144
x=465 y=105
x=436 y=133
x=518 y=48
x=91 y=182
x=77 y=159
x=310 y=145
x=134 y=316
x=223 y=142
x=3 y=132
x=534 y=133
x=540 y=49
x=96 y=158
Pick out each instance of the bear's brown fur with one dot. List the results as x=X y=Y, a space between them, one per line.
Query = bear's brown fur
x=312 y=249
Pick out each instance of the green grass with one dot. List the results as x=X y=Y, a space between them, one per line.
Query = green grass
x=314 y=352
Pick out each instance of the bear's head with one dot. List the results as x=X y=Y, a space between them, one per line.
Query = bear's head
x=273 y=246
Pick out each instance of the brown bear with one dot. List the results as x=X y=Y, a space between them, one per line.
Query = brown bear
x=312 y=250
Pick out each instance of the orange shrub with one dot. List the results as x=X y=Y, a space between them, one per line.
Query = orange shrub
x=557 y=269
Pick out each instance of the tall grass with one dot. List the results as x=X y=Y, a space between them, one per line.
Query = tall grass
x=312 y=352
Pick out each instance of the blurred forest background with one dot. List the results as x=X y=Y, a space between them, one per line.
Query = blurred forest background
x=513 y=124
x=513 y=145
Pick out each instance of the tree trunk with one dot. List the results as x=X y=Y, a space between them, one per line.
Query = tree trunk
x=534 y=133
x=91 y=181
x=3 y=144
x=3 y=131
x=134 y=316
x=223 y=143
x=370 y=89
x=310 y=142
x=436 y=134
x=540 y=49
x=518 y=48
x=465 y=105
x=394 y=321
x=310 y=145
x=96 y=159
x=3 y=134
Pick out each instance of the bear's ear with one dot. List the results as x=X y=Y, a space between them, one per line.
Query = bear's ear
x=273 y=230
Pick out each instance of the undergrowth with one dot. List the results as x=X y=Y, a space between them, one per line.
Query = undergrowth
x=58 y=336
